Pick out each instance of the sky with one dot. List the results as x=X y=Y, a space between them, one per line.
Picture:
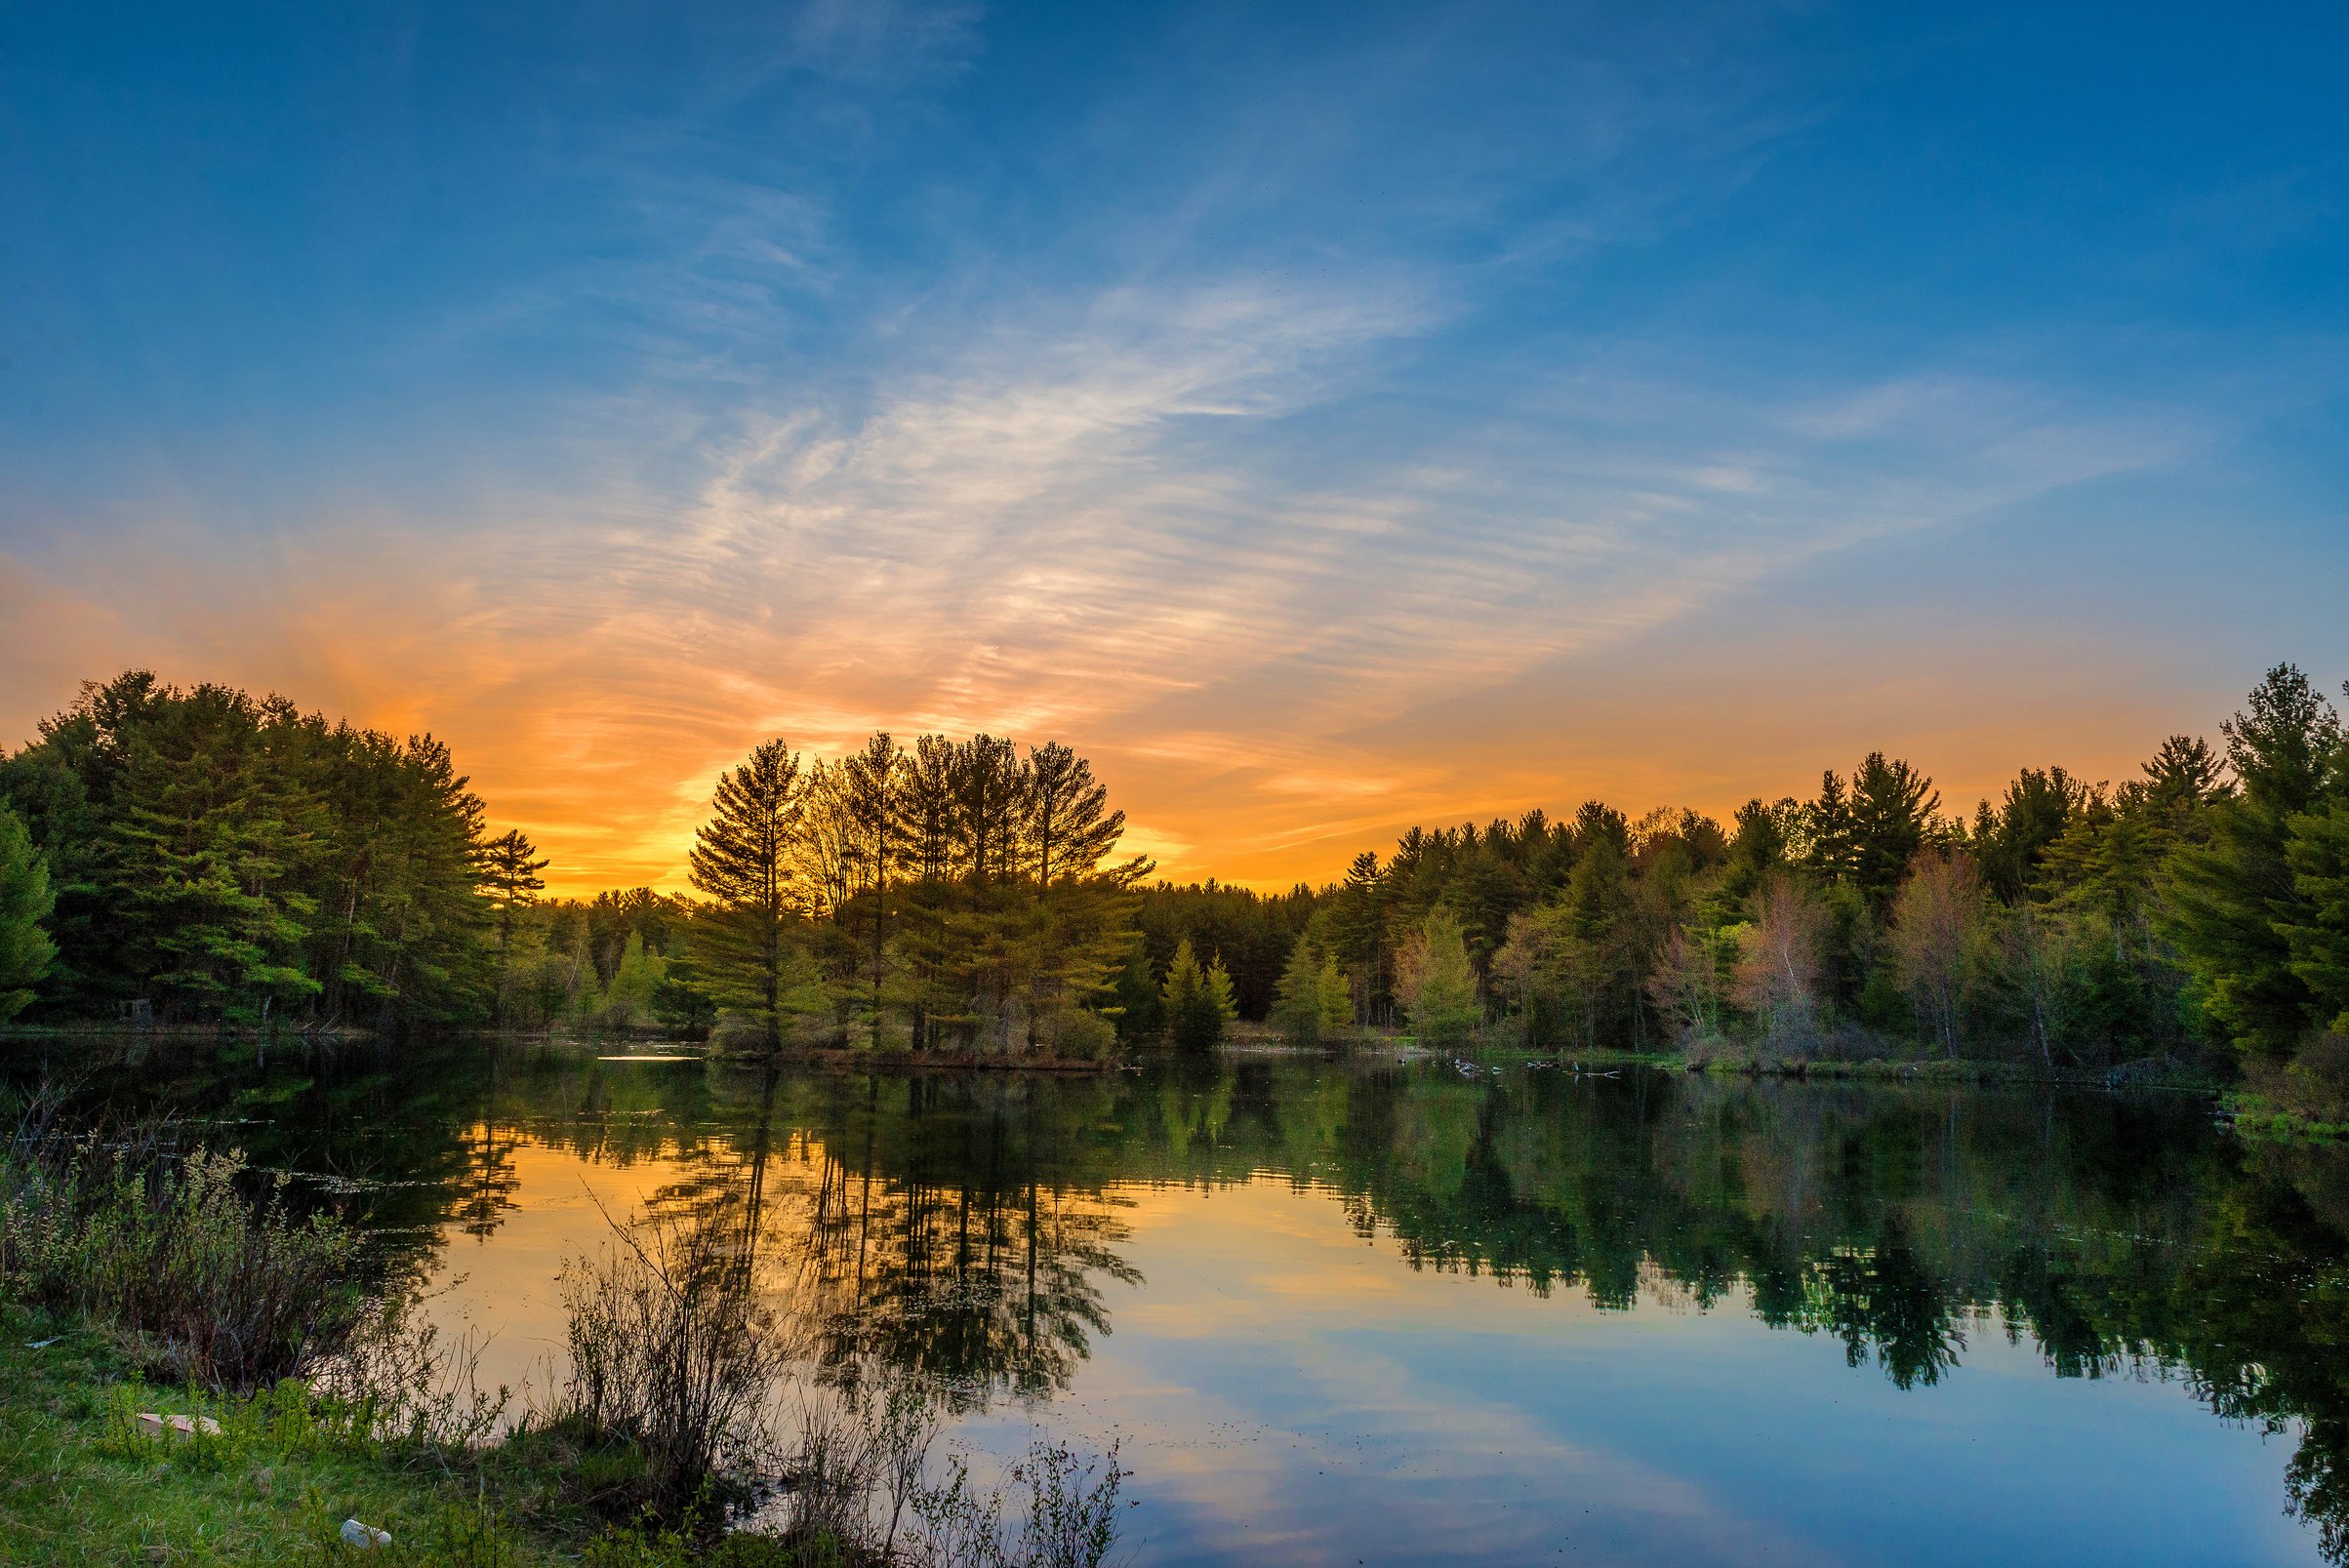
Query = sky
x=1325 y=417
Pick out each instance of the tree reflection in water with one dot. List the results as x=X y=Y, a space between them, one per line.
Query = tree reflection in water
x=973 y=1228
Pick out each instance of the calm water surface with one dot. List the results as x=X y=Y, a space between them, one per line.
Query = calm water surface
x=1383 y=1313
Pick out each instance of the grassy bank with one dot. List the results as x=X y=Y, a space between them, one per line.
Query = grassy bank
x=81 y=1484
x=137 y=1275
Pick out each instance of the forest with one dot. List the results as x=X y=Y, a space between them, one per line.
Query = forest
x=203 y=857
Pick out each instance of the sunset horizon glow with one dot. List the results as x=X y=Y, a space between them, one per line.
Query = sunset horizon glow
x=1325 y=423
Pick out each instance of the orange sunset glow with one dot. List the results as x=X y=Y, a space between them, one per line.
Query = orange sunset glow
x=1263 y=748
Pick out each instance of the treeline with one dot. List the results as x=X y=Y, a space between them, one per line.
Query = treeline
x=943 y=895
x=205 y=854
x=201 y=855
x=2071 y=923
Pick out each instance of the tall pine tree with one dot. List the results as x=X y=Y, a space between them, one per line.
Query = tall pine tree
x=742 y=860
x=26 y=903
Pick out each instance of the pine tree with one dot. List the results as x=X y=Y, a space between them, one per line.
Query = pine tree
x=2317 y=933
x=1297 y=1009
x=1893 y=808
x=1219 y=996
x=742 y=860
x=2039 y=806
x=990 y=796
x=509 y=869
x=1198 y=1002
x=1330 y=993
x=870 y=781
x=26 y=903
x=2185 y=773
x=1435 y=983
x=627 y=1001
x=1068 y=820
x=1827 y=827
x=2233 y=899
x=201 y=845
x=1357 y=928
x=1758 y=847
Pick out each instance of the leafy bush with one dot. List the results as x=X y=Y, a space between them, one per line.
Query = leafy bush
x=204 y=1282
x=1073 y=1035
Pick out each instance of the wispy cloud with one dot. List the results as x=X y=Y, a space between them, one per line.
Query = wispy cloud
x=1243 y=412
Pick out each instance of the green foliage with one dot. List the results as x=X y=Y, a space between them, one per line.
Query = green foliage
x=1314 y=1000
x=1198 y=1002
x=950 y=895
x=1298 y=1011
x=1890 y=817
x=1253 y=932
x=509 y=874
x=26 y=903
x=1331 y=995
x=1437 y=985
x=628 y=1001
x=1938 y=941
x=742 y=860
x=227 y=1290
x=2316 y=931
x=231 y=858
x=2235 y=901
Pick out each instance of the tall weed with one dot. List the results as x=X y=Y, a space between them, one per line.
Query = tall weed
x=203 y=1282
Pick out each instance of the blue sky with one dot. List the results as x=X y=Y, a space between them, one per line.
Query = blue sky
x=1326 y=417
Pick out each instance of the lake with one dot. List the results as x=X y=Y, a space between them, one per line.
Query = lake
x=1411 y=1312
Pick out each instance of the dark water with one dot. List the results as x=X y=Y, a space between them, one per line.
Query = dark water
x=1348 y=1314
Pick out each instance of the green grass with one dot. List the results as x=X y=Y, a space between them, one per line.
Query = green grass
x=80 y=1486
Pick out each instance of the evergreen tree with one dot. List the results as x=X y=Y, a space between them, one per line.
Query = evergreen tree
x=1358 y=931
x=1068 y=821
x=1892 y=815
x=1135 y=1001
x=231 y=858
x=628 y=1001
x=742 y=859
x=2039 y=807
x=1331 y=995
x=1297 y=1010
x=2234 y=898
x=2185 y=773
x=1435 y=983
x=990 y=797
x=1827 y=830
x=1218 y=993
x=1198 y=1002
x=2315 y=933
x=1763 y=838
x=26 y=903
x=509 y=869
x=202 y=845
x=870 y=791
